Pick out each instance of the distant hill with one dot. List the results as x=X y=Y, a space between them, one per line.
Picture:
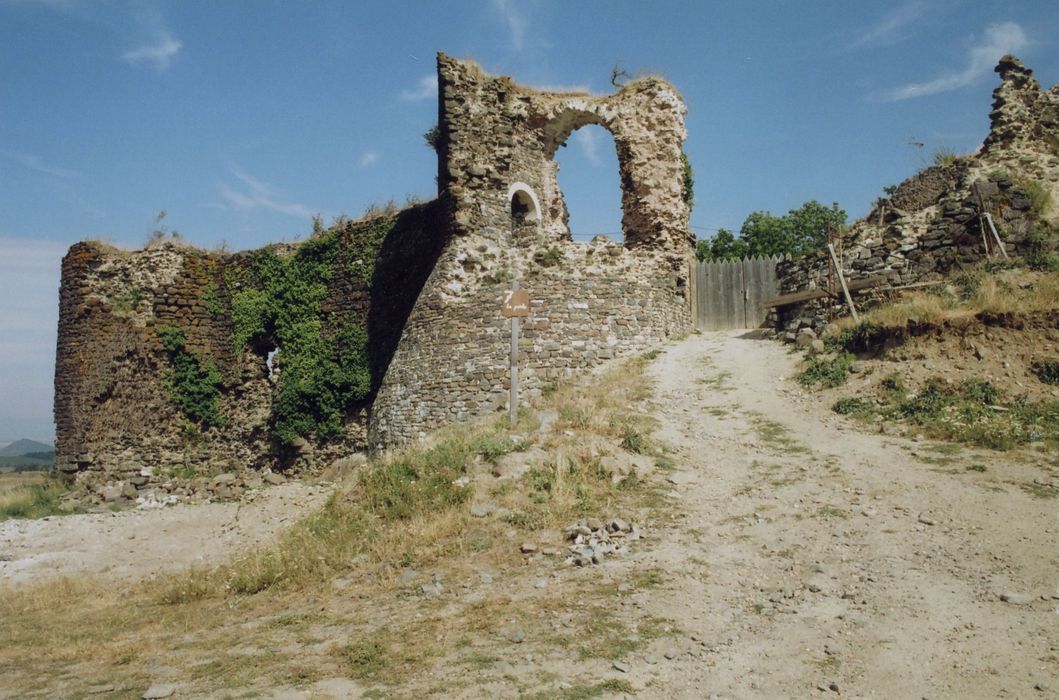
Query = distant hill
x=22 y=447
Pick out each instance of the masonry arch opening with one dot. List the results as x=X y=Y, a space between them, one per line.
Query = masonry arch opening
x=590 y=183
x=525 y=207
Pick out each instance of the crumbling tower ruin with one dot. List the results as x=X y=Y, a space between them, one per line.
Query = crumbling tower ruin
x=423 y=286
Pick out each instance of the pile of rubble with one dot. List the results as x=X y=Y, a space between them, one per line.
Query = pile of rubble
x=593 y=540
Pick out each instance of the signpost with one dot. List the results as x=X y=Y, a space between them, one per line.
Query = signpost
x=515 y=306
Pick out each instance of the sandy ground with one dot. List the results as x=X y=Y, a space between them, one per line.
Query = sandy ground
x=139 y=543
x=806 y=558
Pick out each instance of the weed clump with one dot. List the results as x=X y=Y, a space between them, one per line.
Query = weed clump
x=829 y=371
x=1047 y=371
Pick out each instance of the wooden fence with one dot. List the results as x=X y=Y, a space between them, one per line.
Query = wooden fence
x=732 y=293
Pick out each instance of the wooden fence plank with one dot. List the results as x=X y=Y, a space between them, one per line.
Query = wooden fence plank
x=734 y=293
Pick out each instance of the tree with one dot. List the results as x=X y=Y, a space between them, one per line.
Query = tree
x=723 y=246
x=798 y=232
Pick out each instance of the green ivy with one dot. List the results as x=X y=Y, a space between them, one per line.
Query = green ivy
x=194 y=383
x=276 y=303
x=210 y=299
x=688 y=189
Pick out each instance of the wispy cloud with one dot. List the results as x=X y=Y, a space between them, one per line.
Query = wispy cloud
x=513 y=20
x=589 y=144
x=1006 y=37
x=426 y=89
x=368 y=158
x=160 y=52
x=888 y=30
x=33 y=162
x=255 y=194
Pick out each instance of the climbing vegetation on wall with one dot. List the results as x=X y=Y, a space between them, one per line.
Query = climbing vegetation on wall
x=194 y=382
x=276 y=303
x=688 y=181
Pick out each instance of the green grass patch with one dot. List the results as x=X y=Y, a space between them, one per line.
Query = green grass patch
x=828 y=371
x=974 y=411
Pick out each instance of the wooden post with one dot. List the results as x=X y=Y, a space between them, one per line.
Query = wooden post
x=842 y=281
x=996 y=235
x=513 y=407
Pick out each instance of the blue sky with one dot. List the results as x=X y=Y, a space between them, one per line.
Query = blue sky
x=243 y=119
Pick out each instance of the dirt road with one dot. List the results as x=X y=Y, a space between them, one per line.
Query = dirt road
x=814 y=558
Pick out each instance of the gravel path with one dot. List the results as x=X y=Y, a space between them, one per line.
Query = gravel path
x=813 y=556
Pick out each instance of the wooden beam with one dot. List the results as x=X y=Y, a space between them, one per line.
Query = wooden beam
x=810 y=294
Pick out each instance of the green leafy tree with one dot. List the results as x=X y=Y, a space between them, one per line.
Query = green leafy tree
x=798 y=232
x=722 y=246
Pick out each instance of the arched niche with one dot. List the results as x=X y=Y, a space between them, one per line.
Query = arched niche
x=525 y=206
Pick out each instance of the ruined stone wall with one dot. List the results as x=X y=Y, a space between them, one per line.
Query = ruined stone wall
x=932 y=225
x=428 y=293
x=116 y=417
x=508 y=221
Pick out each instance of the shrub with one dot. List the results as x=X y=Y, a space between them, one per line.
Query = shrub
x=850 y=405
x=1047 y=371
x=276 y=304
x=828 y=371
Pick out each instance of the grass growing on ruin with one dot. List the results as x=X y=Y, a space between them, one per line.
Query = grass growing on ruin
x=986 y=289
x=329 y=588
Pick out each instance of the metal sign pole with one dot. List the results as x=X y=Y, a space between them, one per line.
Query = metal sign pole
x=513 y=407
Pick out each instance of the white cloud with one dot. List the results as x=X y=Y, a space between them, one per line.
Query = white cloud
x=160 y=52
x=887 y=30
x=514 y=22
x=1006 y=37
x=34 y=163
x=586 y=139
x=260 y=195
x=426 y=89
x=369 y=158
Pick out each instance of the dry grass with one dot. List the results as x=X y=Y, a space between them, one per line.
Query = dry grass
x=326 y=599
x=979 y=291
x=30 y=495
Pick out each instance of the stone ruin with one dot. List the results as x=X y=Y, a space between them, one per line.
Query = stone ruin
x=932 y=224
x=420 y=288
